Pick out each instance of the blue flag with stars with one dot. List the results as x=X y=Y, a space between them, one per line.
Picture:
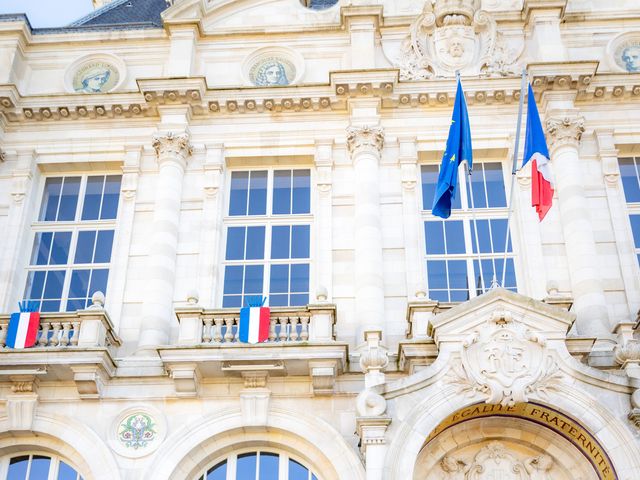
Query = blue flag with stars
x=458 y=150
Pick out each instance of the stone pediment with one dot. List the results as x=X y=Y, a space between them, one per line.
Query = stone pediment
x=456 y=324
x=229 y=16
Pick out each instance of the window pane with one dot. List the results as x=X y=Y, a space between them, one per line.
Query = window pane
x=232 y=301
x=35 y=284
x=39 y=468
x=104 y=246
x=300 y=277
x=282 y=192
x=477 y=180
x=74 y=304
x=483 y=236
x=635 y=228
x=246 y=466
x=233 y=279
x=253 y=279
x=280 y=300
x=434 y=237
x=69 y=199
x=301 y=191
x=60 y=248
x=235 y=243
x=269 y=466
x=279 y=281
x=219 y=472
x=18 y=468
x=299 y=299
x=429 y=181
x=630 y=182
x=50 y=199
x=495 y=185
x=300 y=241
x=499 y=233
x=99 y=278
x=65 y=472
x=437 y=274
x=297 y=471
x=510 y=277
x=255 y=243
x=458 y=275
x=239 y=192
x=53 y=284
x=92 y=197
x=79 y=284
x=454 y=233
x=258 y=193
x=85 y=246
x=41 y=248
x=280 y=241
x=111 y=197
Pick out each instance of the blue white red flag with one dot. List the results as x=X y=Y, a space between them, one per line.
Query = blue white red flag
x=536 y=151
x=254 y=322
x=23 y=328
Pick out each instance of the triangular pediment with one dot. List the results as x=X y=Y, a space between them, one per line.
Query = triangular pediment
x=233 y=16
x=536 y=316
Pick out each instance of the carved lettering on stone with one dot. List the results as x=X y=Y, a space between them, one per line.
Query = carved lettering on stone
x=455 y=35
x=504 y=362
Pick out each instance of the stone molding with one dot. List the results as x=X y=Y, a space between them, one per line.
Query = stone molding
x=172 y=146
x=365 y=140
x=564 y=131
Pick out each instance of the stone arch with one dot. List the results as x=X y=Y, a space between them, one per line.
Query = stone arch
x=64 y=437
x=411 y=431
x=194 y=446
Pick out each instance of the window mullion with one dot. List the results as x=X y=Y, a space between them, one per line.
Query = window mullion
x=81 y=193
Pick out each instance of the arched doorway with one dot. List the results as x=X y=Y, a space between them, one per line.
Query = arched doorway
x=528 y=441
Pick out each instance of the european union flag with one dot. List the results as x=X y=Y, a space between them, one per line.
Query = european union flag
x=458 y=150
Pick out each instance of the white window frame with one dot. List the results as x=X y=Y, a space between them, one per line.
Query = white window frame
x=633 y=208
x=283 y=464
x=466 y=215
x=54 y=467
x=75 y=226
x=268 y=220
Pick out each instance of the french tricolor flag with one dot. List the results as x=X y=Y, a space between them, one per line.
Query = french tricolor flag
x=536 y=151
x=23 y=327
x=254 y=322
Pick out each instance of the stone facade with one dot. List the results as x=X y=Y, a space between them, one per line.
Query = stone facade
x=370 y=378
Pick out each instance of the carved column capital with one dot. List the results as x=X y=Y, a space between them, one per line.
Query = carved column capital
x=365 y=139
x=172 y=146
x=564 y=131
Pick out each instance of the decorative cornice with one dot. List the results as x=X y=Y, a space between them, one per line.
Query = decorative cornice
x=172 y=146
x=565 y=131
x=365 y=139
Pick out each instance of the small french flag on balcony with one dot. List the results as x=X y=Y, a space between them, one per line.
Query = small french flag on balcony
x=254 y=321
x=23 y=326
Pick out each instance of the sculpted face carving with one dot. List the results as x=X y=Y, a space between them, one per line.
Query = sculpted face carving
x=456 y=48
x=631 y=58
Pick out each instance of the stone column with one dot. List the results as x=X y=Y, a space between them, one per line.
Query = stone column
x=365 y=147
x=324 y=168
x=564 y=137
x=620 y=221
x=414 y=261
x=173 y=151
x=211 y=223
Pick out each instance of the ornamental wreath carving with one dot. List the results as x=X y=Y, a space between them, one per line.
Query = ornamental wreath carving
x=455 y=35
x=504 y=361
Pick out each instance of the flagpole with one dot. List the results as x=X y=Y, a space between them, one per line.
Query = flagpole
x=514 y=169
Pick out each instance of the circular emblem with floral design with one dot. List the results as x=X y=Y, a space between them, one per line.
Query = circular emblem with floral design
x=137 y=431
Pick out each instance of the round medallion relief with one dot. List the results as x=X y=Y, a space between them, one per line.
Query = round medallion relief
x=137 y=432
x=625 y=51
x=99 y=73
x=272 y=67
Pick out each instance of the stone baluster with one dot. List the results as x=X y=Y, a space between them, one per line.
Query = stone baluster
x=44 y=334
x=172 y=150
x=272 y=329
x=217 y=333
x=282 y=337
x=55 y=335
x=294 y=329
x=76 y=333
x=206 y=333
x=365 y=147
x=228 y=334
x=304 y=331
x=565 y=132
x=64 y=338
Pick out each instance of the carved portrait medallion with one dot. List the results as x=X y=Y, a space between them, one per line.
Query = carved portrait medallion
x=272 y=71
x=627 y=56
x=97 y=73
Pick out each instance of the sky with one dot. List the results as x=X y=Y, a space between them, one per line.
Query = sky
x=48 y=13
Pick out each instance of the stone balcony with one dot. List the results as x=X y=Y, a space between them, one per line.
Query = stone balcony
x=70 y=346
x=301 y=343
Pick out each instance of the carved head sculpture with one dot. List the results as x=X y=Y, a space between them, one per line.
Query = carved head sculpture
x=631 y=58
x=93 y=83
x=272 y=73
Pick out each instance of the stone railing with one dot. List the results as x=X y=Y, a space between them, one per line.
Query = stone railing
x=312 y=323
x=81 y=329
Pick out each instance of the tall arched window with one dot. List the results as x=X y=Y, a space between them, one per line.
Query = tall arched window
x=36 y=466
x=258 y=465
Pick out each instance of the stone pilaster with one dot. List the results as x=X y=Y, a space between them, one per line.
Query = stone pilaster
x=323 y=216
x=365 y=147
x=564 y=134
x=172 y=151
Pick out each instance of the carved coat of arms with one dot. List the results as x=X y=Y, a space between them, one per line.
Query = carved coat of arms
x=455 y=35
x=506 y=362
